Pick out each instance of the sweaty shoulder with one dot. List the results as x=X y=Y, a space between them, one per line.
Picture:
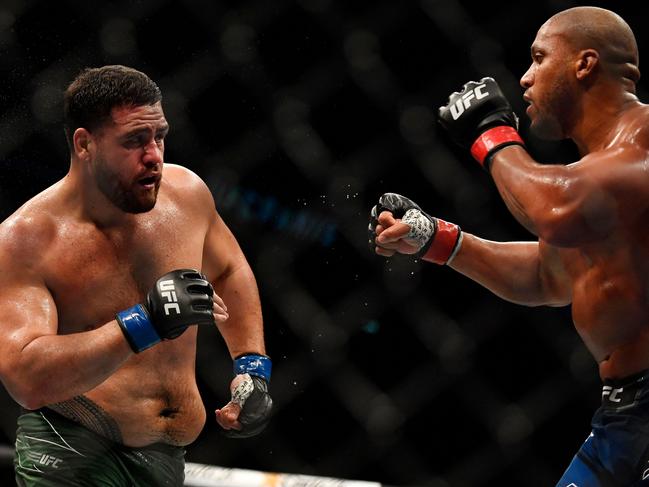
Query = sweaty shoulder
x=187 y=187
x=628 y=149
x=635 y=129
x=27 y=234
x=616 y=178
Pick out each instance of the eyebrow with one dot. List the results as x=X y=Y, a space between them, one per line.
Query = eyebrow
x=536 y=48
x=163 y=129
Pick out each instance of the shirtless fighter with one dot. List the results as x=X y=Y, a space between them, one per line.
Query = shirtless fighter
x=591 y=218
x=108 y=385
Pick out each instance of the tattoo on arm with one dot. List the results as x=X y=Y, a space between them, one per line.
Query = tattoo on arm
x=90 y=415
x=517 y=209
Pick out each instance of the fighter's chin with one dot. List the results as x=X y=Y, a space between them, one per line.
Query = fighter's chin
x=135 y=205
x=142 y=199
x=142 y=208
x=546 y=130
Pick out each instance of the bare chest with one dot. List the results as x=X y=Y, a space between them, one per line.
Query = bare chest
x=93 y=274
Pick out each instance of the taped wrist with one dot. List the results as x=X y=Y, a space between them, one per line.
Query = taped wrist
x=421 y=226
x=250 y=392
x=492 y=140
x=243 y=390
x=445 y=244
x=253 y=364
x=138 y=328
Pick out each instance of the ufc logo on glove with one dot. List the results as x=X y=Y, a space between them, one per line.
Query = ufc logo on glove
x=168 y=291
x=463 y=103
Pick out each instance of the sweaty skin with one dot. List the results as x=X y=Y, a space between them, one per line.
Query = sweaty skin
x=601 y=255
x=591 y=217
x=69 y=261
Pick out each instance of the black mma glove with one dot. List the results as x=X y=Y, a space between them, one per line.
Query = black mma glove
x=438 y=240
x=480 y=118
x=179 y=299
x=252 y=394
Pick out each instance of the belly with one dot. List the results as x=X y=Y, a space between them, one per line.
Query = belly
x=612 y=318
x=152 y=398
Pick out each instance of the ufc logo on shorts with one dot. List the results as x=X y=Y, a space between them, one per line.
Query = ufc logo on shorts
x=612 y=393
x=50 y=460
x=168 y=292
x=457 y=109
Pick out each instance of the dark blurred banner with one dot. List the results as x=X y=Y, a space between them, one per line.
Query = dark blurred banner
x=299 y=115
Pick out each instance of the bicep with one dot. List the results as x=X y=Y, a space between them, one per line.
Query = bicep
x=571 y=205
x=28 y=311
x=221 y=254
x=555 y=280
x=221 y=251
x=604 y=192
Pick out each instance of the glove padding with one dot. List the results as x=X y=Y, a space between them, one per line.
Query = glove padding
x=179 y=299
x=437 y=239
x=251 y=394
x=480 y=108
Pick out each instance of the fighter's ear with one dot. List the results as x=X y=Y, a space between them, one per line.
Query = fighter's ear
x=81 y=140
x=585 y=64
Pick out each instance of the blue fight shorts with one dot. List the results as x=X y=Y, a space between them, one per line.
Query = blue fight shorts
x=616 y=454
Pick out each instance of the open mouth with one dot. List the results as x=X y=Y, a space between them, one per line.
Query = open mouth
x=149 y=181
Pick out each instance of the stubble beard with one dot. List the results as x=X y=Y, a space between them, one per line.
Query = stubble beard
x=553 y=117
x=121 y=195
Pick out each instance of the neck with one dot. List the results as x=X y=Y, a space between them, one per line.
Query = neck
x=599 y=123
x=92 y=205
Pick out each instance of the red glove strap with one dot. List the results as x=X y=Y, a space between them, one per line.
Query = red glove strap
x=443 y=244
x=491 y=139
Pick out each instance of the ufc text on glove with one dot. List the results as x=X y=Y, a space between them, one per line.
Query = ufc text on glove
x=480 y=118
x=179 y=299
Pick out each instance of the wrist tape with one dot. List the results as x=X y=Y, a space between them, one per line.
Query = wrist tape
x=421 y=226
x=253 y=364
x=137 y=328
x=491 y=140
x=445 y=243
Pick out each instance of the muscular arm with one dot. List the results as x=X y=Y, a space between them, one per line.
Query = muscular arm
x=574 y=204
x=233 y=280
x=527 y=273
x=37 y=366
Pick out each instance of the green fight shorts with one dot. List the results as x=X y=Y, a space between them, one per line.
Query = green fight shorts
x=52 y=450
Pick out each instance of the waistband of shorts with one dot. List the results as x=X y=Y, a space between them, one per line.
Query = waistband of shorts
x=158 y=446
x=622 y=393
x=629 y=381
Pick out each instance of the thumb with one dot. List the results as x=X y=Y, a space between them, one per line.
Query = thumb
x=394 y=233
x=386 y=219
x=227 y=417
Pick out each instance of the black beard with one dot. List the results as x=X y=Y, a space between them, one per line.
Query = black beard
x=559 y=113
x=121 y=196
x=547 y=128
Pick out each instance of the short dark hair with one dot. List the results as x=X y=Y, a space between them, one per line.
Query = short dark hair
x=92 y=95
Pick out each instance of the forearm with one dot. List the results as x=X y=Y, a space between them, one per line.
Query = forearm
x=53 y=368
x=243 y=330
x=546 y=199
x=508 y=269
x=551 y=201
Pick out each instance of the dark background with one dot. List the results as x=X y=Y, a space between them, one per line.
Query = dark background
x=298 y=115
